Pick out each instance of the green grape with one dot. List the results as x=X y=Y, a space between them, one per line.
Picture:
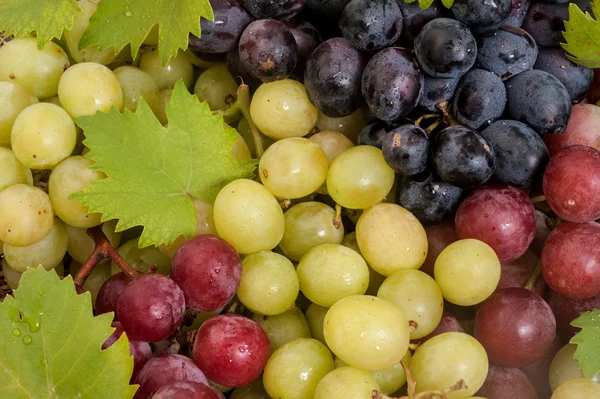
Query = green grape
x=142 y=259
x=165 y=77
x=294 y=370
x=240 y=149
x=43 y=135
x=95 y=280
x=330 y=272
x=578 y=388
x=89 y=87
x=217 y=87
x=307 y=225
x=14 y=99
x=26 y=215
x=269 y=283
x=248 y=217
x=137 y=84
x=315 y=316
x=11 y=276
x=359 y=177
x=282 y=109
x=350 y=125
x=367 y=332
x=161 y=108
x=254 y=390
x=13 y=171
x=375 y=279
x=390 y=238
x=418 y=296
x=81 y=245
x=346 y=382
x=467 y=271
x=445 y=359
x=349 y=241
x=69 y=176
x=36 y=70
x=152 y=37
x=197 y=61
x=218 y=387
x=332 y=143
x=564 y=367
x=243 y=129
x=284 y=327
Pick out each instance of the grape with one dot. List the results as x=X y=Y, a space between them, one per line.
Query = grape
x=507 y=383
x=439 y=236
x=436 y=91
x=307 y=38
x=572 y=184
x=406 y=149
x=389 y=380
x=390 y=239
x=577 y=79
x=187 y=390
x=315 y=316
x=15 y=98
x=581 y=129
x=179 y=67
x=137 y=84
x=517 y=14
x=284 y=327
x=333 y=77
x=578 y=388
x=43 y=135
x=445 y=48
x=571 y=260
x=332 y=143
x=13 y=172
x=463 y=157
x=269 y=283
x=26 y=215
x=371 y=24
x=564 y=367
x=444 y=360
x=545 y=22
x=392 y=83
x=248 y=217
x=281 y=109
x=255 y=390
x=480 y=99
x=467 y=272
x=216 y=86
x=346 y=382
x=448 y=323
x=99 y=275
x=110 y=292
x=161 y=109
x=518 y=272
x=481 y=15
x=538 y=371
x=142 y=259
x=501 y=216
x=367 y=332
x=414 y=18
x=374 y=133
x=243 y=129
x=566 y=310
x=151 y=308
x=349 y=126
x=81 y=245
x=279 y=9
x=140 y=351
x=10 y=275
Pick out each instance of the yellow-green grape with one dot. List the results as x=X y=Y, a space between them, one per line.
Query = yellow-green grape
x=137 y=84
x=217 y=87
x=390 y=238
x=284 y=327
x=199 y=62
x=419 y=297
x=389 y=380
x=294 y=370
x=578 y=388
x=269 y=283
x=96 y=279
x=248 y=217
x=14 y=99
x=564 y=367
x=254 y=390
x=330 y=272
x=359 y=177
x=282 y=109
x=332 y=143
x=13 y=171
x=26 y=215
x=81 y=245
x=142 y=259
x=445 y=359
x=350 y=125
x=347 y=382
x=367 y=332
x=240 y=149
x=161 y=109
x=375 y=279
x=243 y=129
x=315 y=315
x=47 y=252
x=467 y=271
x=69 y=176
x=11 y=276
x=87 y=88
x=43 y=135
x=152 y=37
x=36 y=70
x=165 y=77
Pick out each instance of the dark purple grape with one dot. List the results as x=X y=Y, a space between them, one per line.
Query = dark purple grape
x=140 y=351
x=374 y=133
x=415 y=18
x=333 y=77
x=546 y=22
x=463 y=157
x=445 y=48
x=481 y=15
x=109 y=293
x=539 y=100
x=371 y=24
x=239 y=71
x=274 y=9
x=187 y=390
x=307 y=39
x=577 y=79
x=392 y=83
x=221 y=34
x=268 y=50
x=517 y=13
x=480 y=99
x=507 y=383
x=327 y=8
x=406 y=149
x=437 y=91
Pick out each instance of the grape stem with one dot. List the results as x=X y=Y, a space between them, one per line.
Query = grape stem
x=337 y=221
x=424 y=117
x=538 y=199
x=243 y=100
x=449 y=119
x=537 y=270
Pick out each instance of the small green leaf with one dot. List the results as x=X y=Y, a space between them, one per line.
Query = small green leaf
x=582 y=36
x=447 y=3
x=425 y=4
x=50 y=344
x=588 y=342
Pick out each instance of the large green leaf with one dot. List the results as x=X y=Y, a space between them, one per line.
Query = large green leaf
x=588 y=342
x=582 y=36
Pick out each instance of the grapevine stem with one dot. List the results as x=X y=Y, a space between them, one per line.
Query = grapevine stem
x=243 y=99
x=433 y=126
x=449 y=119
x=423 y=117
x=337 y=221
x=537 y=270
x=538 y=199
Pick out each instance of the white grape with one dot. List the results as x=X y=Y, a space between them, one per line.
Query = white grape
x=14 y=99
x=13 y=171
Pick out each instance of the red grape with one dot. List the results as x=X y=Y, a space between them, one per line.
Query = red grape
x=499 y=215
x=566 y=310
x=447 y=324
x=538 y=372
x=507 y=383
x=515 y=326
x=231 y=350
x=439 y=236
x=151 y=308
x=518 y=272
x=543 y=228
x=571 y=260
x=572 y=184
x=140 y=351
x=187 y=390
x=109 y=293
x=583 y=129
x=208 y=270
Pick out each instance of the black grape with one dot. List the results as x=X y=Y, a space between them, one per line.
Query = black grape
x=239 y=71
x=333 y=77
x=539 y=100
x=577 y=79
x=546 y=22
x=371 y=24
x=327 y=8
x=445 y=48
x=480 y=99
x=274 y=9
x=415 y=18
x=373 y=134
x=406 y=149
x=463 y=157
x=436 y=91
x=506 y=52
x=517 y=13
x=481 y=15
x=392 y=83
x=307 y=39
x=268 y=50
x=521 y=154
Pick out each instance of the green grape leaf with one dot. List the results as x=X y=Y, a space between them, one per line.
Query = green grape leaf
x=46 y=18
x=588 y=342
x=425 y=4
x=153 y=170
x=51 y=344
x=582 y=36
x=117 y=23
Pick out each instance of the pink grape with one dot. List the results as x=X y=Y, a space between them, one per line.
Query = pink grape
x=507 y=383
x=583 y=129
x=543 y=228
x=187 y=390
x=539 y=371
x=518 y=272
x=447 y=324
x=439 y=236
x=566 y=310
x=140 y=351
x=109 y=293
